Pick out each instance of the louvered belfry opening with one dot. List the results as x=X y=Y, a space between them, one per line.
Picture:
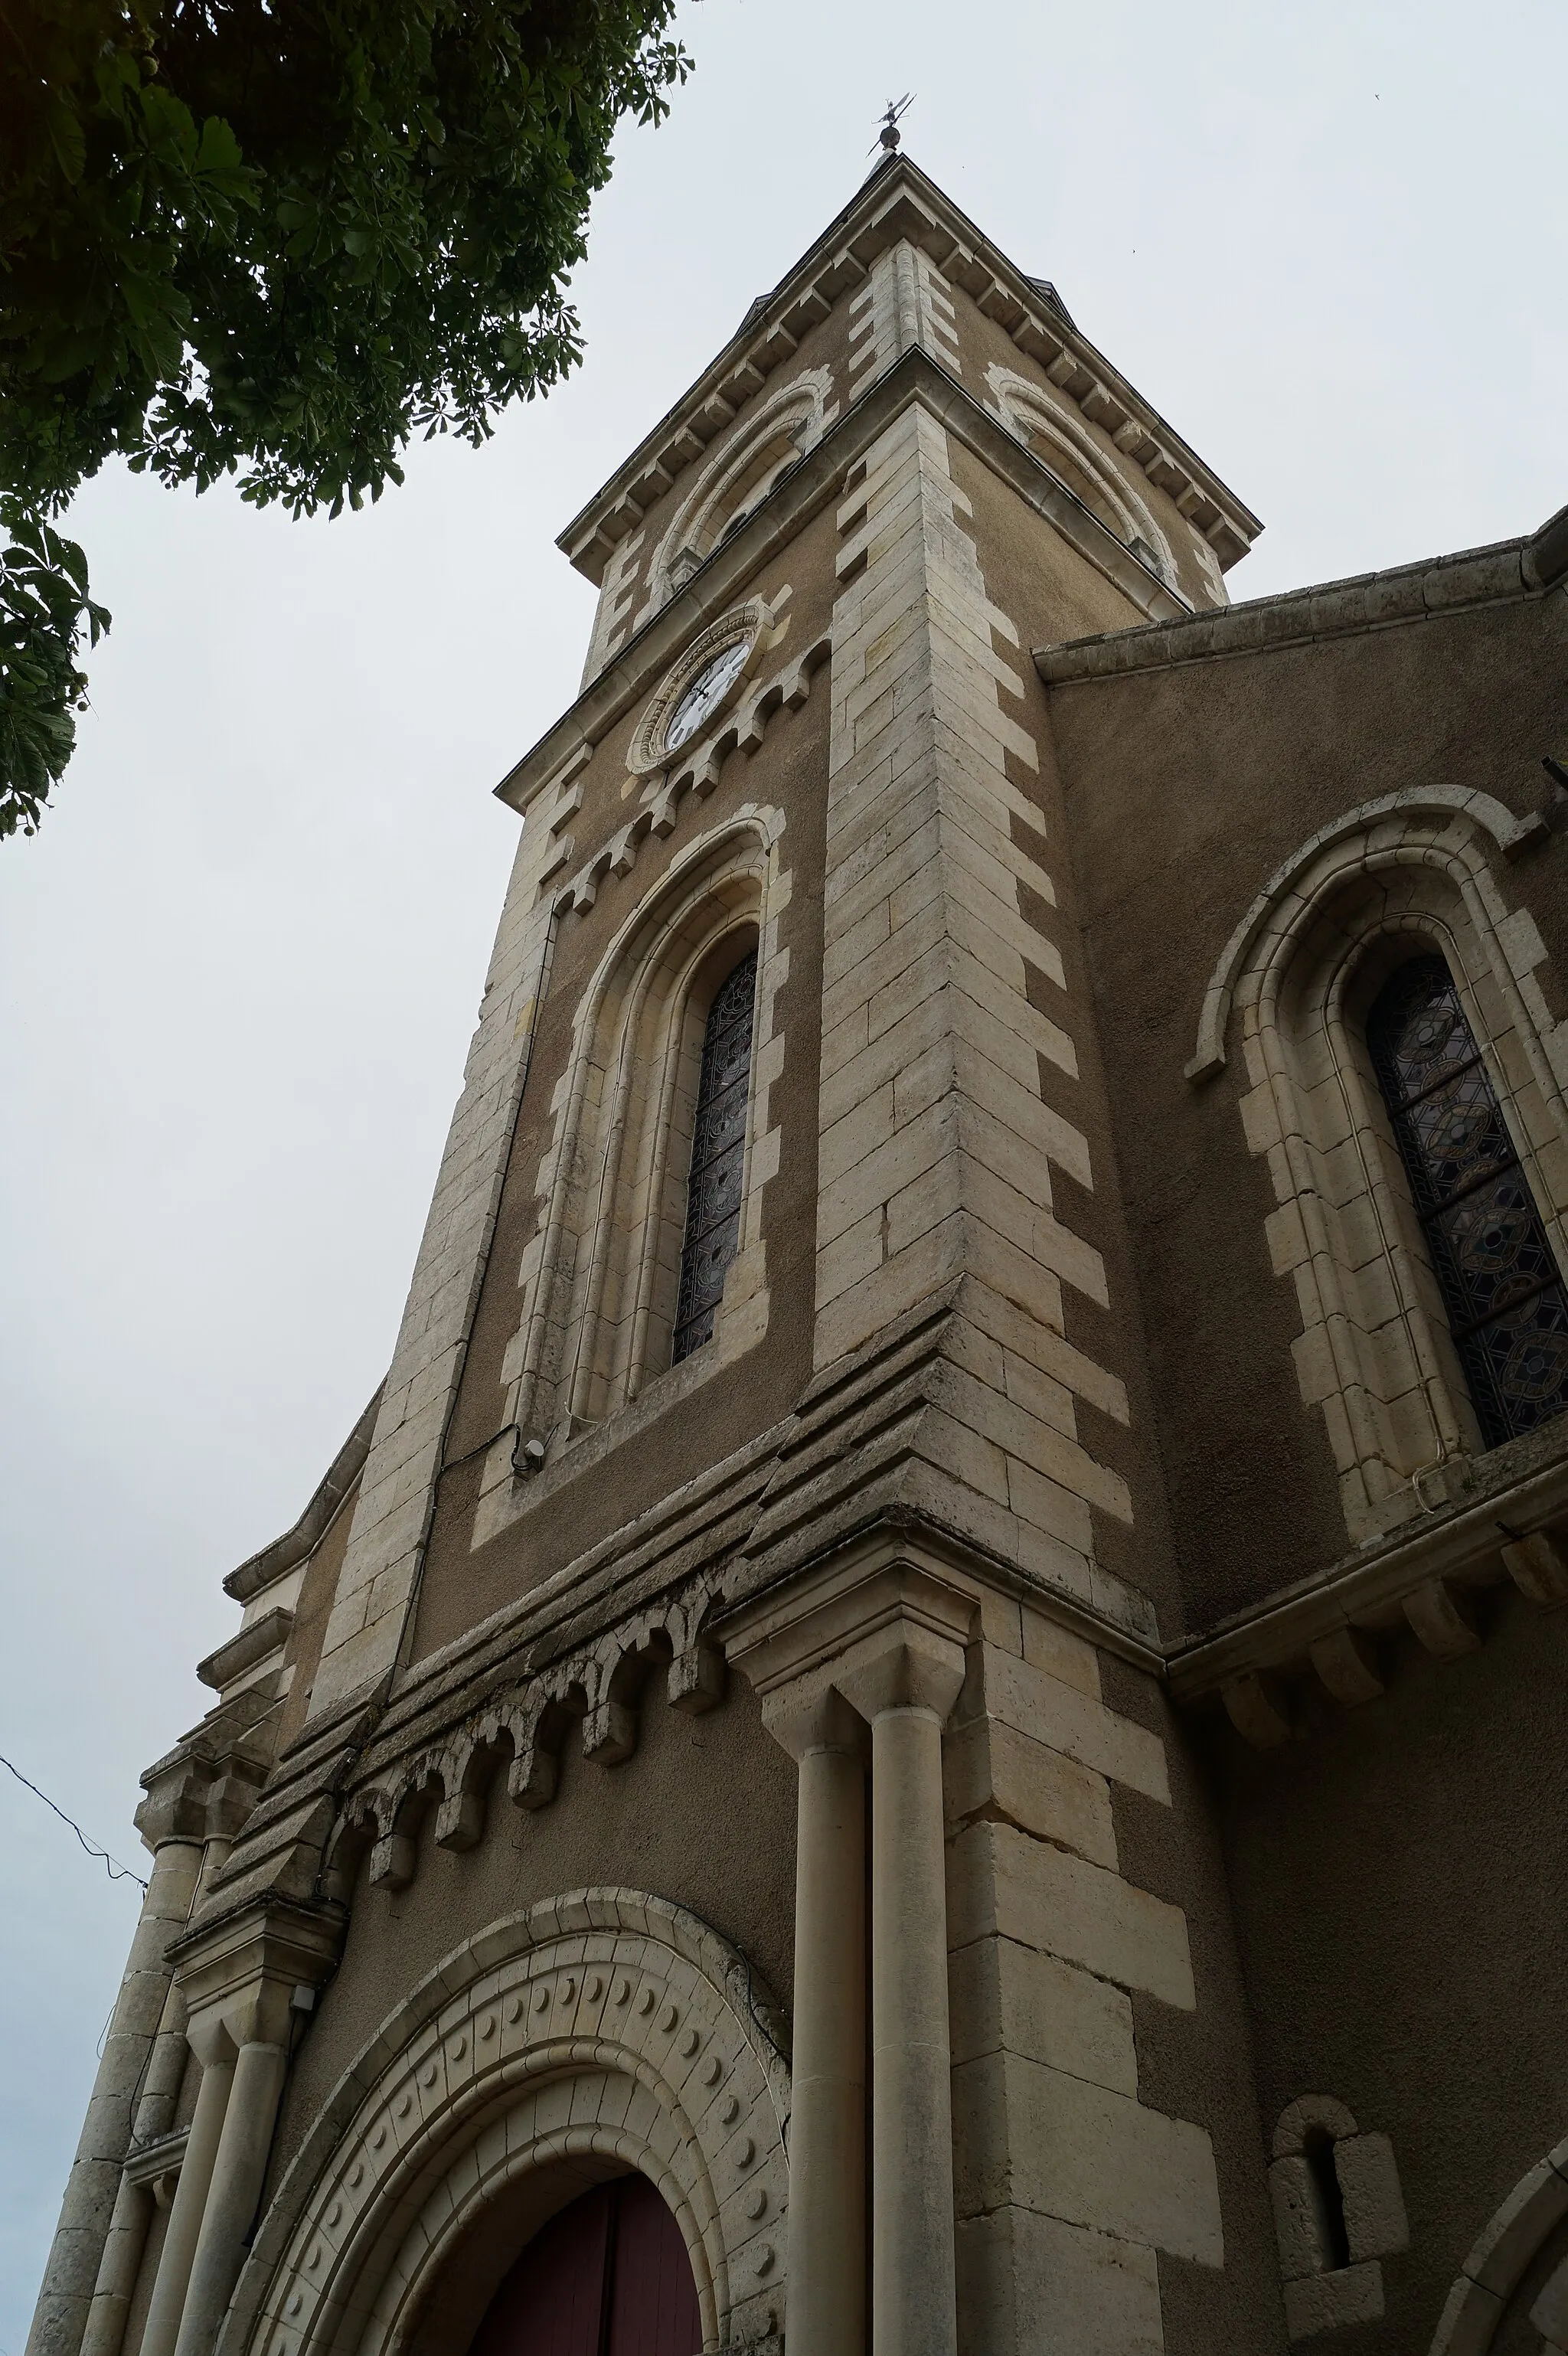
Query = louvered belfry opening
x=717 y=1159
x=1501 y=1286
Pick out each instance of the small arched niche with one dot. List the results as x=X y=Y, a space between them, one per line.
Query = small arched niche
x=1338 y=2212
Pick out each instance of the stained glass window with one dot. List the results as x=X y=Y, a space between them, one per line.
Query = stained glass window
x=717 y=1159
x=1501 y=1287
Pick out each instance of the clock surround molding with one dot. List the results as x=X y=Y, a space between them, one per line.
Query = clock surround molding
x=649 y=751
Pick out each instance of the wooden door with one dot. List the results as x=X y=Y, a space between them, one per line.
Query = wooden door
x=606 y=2277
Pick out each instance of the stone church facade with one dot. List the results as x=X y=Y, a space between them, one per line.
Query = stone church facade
x=943 y=1643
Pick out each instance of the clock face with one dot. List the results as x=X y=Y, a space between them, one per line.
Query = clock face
x=705 y=695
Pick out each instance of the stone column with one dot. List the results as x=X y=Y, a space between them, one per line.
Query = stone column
x=235 y=2190
x=907 y=1692
x=93 y=2185
x=161 y=2330
x=118 y=2269
x=238 y=1976
x=879 y=1637
x=127 y=2239
x=827 y=2111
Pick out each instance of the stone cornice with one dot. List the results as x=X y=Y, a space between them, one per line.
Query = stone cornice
x=770 y=1519
x=254 y=1642
x=157 y=2163
x=241 y=1964
x=725 y=578
x=1489 y=1519
x=898 y=202
x=1511 y=570
x=1517 y=1493
x=659 y=1578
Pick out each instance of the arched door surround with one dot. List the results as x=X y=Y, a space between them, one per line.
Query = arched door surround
x=1483 y=2293
x=597 y=2033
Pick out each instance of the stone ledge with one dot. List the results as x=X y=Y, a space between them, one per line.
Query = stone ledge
x=1495 y=1520
x=252 y=1645
x=153 y=2163
x=260 y=1570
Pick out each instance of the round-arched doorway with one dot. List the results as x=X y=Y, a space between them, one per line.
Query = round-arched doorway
x=607 y=2276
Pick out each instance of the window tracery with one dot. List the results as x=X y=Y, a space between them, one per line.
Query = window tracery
x=717 y=1159
x=1501 y=1287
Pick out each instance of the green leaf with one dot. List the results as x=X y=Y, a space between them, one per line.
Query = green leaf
x=279 y=261
x=67 y=137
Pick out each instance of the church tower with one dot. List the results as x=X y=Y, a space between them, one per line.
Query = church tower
x=698 y=1841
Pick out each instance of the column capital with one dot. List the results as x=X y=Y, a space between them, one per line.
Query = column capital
x=176 y=1788
x=208 y=1784
x=875 y=1627
x=237 y=1972
x=814 y=1717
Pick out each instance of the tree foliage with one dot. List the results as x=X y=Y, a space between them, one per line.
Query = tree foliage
x=275 y=239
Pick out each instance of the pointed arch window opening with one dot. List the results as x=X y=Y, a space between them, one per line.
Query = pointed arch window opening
x=1503 y=1292
x=717 y=1159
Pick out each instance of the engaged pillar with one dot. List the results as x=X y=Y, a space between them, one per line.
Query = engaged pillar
x=827 y=2105
x=94 y=2184
x=907 y=1692
x=216 y=2054
x=879 y=1645
x=234 y=2192
x=247 y=1978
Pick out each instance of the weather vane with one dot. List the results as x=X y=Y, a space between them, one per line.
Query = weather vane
x=888 y=136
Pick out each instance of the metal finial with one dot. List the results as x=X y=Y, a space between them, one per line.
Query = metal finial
x=888 y=136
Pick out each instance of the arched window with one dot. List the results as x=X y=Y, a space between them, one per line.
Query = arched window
x=763 y=446
x=1328 y=2198
x=1338 y=2212
x=608 y=2275
x=717 y=1158
x=1501 y=1287
x=1075 y=458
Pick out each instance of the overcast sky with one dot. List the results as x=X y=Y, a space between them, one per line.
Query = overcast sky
x=240 y=963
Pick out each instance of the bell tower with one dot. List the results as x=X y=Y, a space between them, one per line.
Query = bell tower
x=751 y=1574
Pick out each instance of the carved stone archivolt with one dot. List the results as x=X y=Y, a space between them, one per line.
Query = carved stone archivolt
x=1483 y=2295
x=598 y=2033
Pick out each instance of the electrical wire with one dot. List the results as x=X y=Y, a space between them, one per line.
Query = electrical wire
x=115 y=1870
